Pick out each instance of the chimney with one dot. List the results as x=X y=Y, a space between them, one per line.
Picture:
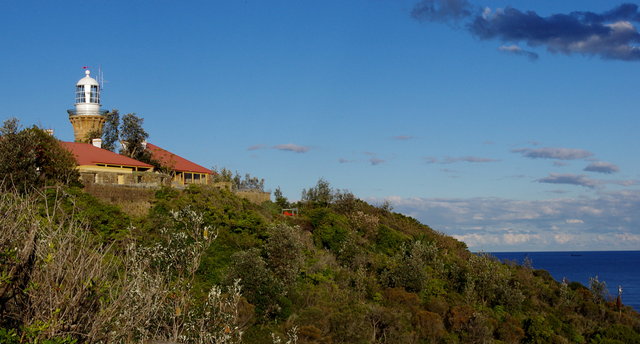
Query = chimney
x=97 y=143
x=144 y=144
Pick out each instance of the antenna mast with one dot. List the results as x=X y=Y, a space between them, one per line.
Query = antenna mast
x=100 y=78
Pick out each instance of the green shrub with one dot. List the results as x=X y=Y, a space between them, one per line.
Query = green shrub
x=9 y=336
x=617 y=333
x=330 y=230
x=537 y=330
x=31 y=158
x=389 y=241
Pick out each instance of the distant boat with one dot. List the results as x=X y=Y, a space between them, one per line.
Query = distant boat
x=576 y=255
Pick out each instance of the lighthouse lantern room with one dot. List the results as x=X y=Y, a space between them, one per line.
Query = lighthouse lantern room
x=87 y=118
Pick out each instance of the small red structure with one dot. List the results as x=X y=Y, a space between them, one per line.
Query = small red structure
x=290 y=212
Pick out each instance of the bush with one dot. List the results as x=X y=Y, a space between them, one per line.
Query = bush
x=429 y=325
x=31 y=158
x=330 y=230
x=283 y=251
x=259 y=284
x=617 y=333
x=61 y=285
x=388 y=241
x=537 y=330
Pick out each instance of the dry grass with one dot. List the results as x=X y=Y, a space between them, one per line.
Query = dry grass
x=57 y=281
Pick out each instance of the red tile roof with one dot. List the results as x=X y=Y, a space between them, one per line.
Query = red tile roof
x=174 y=161
x=87 y=154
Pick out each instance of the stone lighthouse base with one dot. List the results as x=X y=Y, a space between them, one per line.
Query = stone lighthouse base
x=84 y=125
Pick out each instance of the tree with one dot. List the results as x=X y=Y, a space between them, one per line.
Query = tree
x=248 y=182
x=111 y=132
x=320 y=194
x=32 y=158
x=281 y=201
x=95 y=133
x=599 y=289
x=222 y=175
x=132 y=137
x=284 y=253
x=260 y=285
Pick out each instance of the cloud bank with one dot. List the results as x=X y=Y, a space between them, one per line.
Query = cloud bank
x=608 y=35
x=609 y=220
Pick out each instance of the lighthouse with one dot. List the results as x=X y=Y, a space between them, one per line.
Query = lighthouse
x=87 y=119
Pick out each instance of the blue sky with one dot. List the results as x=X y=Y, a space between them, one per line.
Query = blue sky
x=510 y=125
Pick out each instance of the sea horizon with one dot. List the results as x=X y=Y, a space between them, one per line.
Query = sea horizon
x=569 y=251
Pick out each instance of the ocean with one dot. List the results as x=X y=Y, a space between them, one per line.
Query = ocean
x=616 y=268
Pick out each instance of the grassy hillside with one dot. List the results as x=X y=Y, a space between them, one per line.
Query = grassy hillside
x=203 y=266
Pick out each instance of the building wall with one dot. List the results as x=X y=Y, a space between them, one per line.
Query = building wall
x=115 y=185
x=124 y=177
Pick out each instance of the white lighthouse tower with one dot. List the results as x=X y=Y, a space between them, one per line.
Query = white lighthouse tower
x=87 y=118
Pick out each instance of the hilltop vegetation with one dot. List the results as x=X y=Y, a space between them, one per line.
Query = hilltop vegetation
x=204 y=266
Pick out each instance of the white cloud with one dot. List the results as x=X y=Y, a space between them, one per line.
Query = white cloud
x=256 y=147
x=630 y=182
x=403 y=137
x=553 y=153
x=602 y=167
x=515 y=238
x=375 y=161
x=292 y=148
x=430 y=159
x=284 y=147
x=628 y=237
x=452 y=160
x=563 y=238
x=571 y=179
x=516 y=50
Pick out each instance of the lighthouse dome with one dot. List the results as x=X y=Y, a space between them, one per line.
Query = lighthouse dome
x=87 y=95
x=87 y=80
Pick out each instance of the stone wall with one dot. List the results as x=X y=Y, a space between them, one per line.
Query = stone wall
x=138 y=179
x=256 y=197
x=134 y=201
x=222 y=185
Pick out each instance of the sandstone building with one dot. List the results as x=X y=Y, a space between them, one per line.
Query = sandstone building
x=98 y=166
